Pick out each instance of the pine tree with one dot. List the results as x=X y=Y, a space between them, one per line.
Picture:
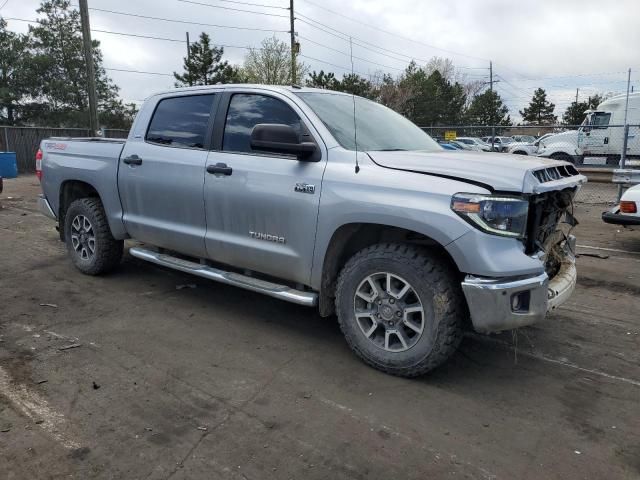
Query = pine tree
x=435 y=100
x=204 y=65
x=14 y=79
x=575 y=113
x=357 y=85
x=58 y=71
x=327 y=81
x=539 y=111
x=488 y=109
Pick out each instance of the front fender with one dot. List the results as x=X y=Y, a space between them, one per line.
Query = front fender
x=411 y=201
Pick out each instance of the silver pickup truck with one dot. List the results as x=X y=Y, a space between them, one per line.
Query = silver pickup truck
x=329 y=201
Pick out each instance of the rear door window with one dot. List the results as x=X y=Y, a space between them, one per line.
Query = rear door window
x=248 y=110
x=181 y=121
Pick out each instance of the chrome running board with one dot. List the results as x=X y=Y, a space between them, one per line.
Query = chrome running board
x=308 y=299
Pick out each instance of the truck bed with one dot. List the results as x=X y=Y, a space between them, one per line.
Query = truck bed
x=90 y=161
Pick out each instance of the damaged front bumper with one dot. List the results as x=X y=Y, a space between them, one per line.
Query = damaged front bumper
x=497 y=304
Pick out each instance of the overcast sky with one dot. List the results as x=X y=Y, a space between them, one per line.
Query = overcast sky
x=584 y=44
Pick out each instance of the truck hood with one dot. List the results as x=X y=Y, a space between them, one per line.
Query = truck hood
x=570 y=136
x=498 y=171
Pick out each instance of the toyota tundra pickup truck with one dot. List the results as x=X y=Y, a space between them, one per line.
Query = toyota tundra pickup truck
x=326 y=200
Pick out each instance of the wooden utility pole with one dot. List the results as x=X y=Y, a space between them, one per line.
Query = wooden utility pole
x=88 y=60
x=293 y=42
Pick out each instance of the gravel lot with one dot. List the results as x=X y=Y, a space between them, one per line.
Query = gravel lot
x=126 y=376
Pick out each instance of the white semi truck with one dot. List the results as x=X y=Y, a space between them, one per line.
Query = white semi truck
x=601 y=134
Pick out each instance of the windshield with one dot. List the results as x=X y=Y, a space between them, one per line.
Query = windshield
x=378 y=127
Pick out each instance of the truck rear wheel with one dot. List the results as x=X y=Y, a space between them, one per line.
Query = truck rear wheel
x=90 y=244
x=400 y=308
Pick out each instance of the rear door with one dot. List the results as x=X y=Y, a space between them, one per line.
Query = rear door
x=262 y=214
x=161 y=176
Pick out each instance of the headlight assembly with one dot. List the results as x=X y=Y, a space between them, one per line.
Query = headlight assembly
x=498 y=215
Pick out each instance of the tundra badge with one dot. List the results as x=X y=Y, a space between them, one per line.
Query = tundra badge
x=305 y=188
x=267 y=237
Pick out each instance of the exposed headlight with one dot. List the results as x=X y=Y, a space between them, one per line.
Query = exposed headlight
x=498 y=215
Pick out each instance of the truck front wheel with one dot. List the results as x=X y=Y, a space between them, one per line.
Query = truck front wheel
x=90 y=244
x=400 y=308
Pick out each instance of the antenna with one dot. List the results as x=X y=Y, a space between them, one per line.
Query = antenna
x=353 y=96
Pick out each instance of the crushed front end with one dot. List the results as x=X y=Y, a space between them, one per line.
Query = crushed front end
x=509 y=302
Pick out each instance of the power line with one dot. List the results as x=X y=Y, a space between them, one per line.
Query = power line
x=347 y=69
x=346 y=54
x=137 y=35
x=366 y=45
x=186 y=22
x=4 y=4
x=392 y=33
x=343 y=36
x=253 y=4
x=233 y=9
x=170 y=39
x=575 y=75
x=139 y=71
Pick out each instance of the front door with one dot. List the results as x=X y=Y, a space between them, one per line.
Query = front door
x=595 y=136
x=161 y=176
x=261 y=208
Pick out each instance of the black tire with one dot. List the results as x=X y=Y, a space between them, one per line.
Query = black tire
x=436 y=287
x=564 y=157
x=520 y=152
x=107 y=250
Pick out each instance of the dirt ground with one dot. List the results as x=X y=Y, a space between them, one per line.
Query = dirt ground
x=126 y=376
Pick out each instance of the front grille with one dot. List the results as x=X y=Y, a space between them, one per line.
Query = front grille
x=550 y=174
x=545 y=212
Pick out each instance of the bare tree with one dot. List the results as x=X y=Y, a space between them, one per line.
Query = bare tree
x=471 y=90
x=445 y=66
x=271 y=64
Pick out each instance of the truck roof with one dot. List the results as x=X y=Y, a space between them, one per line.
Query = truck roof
x=274 y=88
x=619 y=101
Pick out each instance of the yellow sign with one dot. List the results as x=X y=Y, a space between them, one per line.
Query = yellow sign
x=450 y=135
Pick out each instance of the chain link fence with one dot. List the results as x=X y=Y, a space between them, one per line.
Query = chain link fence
x=595 y=149
x=26 y=140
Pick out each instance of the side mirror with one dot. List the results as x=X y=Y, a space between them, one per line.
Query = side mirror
x=278 y=138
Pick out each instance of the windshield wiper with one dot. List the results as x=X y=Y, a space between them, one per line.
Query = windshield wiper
x=391 y=150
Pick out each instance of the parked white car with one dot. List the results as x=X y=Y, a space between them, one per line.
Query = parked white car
x=474 y=143
x=627 y=212
x=561 y=146
x=523 y=138
x=527 y=148
x=500 y=144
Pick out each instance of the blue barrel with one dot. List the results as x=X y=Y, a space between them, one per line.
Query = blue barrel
x=8 y=165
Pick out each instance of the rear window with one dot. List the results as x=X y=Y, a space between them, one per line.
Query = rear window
x=181 y=121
